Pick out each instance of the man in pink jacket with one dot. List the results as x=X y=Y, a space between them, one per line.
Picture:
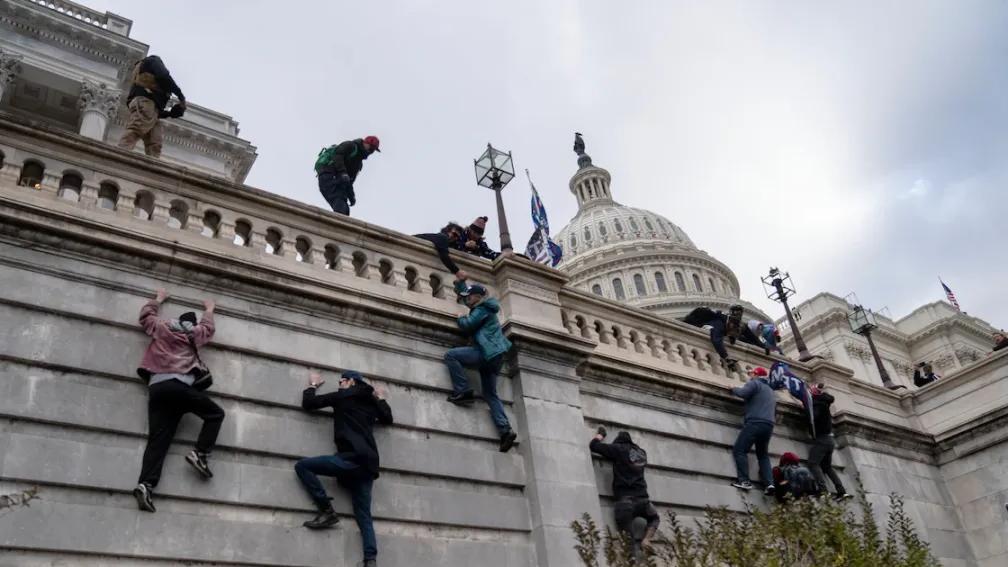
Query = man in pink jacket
x=168 y=365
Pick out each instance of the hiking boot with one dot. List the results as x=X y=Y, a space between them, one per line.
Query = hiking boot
x=770 y=490
x=326 y=518
x=465 y=398
x=144 y=495
x=507 y=441
x=199 y=462
x=742 y=484
x=841 y=496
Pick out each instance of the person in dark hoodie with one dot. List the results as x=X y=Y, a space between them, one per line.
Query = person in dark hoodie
x=168 y=367
x=632 y=503
x=757 y=428
x=151 y=87
x=791 y=478
x=717 y=321
x=337 y=168
x=445 y=240
x=487 y=355
x=820 y=458
x=924 y=374
x=357 y=406
x=472 y=241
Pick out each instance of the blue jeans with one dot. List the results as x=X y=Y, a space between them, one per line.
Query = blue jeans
x=336 y=192
x=460 y=358
x=359 y=488
x=758 y=433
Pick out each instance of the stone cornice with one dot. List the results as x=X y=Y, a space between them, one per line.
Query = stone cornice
x=65 y=32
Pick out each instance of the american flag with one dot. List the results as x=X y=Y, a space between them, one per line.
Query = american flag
x=950 y=295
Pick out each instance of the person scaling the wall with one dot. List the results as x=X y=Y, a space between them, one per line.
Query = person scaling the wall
x=718 y=323
x=357 y=406
x=757 y=429
x=487 y=356
x=634 y=513
x=151 y=87
x=337 y=167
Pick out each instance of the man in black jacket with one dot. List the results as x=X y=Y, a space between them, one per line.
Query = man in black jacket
x=337 y=169
x=151 y=86
x=472 y=241
x=444 y=241
x=356 y=408
x=633 y=510
x=820 y=458
x=924 y=374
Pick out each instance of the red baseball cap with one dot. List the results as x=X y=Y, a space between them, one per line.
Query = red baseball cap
x=759 y=371
x=373 y=142
x=789 y=459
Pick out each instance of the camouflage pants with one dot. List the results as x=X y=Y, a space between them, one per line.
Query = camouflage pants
x=143 y=124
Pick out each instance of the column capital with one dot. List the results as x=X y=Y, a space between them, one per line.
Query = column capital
x=98 y=97
x=10 y=67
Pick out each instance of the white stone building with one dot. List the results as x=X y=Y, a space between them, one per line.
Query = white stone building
x=639 y=257
x=67 y=66
x=937 y=333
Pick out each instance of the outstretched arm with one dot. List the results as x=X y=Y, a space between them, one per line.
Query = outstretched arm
x=384 y=410
x=149 y=312
x=203 y=332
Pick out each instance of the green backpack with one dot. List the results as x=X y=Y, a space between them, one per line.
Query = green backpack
x=325 y=156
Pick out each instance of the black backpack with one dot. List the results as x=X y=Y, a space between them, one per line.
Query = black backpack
x=800 y=481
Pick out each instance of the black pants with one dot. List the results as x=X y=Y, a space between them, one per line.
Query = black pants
x=748 y=337
x=336 y=192
x=703 y=316
x=630 y=507
x=168 y=402
x=821 y=461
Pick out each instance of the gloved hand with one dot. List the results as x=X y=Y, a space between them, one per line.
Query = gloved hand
x=601 y=431
x=177 y=111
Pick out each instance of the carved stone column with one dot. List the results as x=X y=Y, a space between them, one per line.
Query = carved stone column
x=98 y=103
x=10 y=68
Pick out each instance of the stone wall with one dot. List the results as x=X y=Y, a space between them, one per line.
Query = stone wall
x=337 y=293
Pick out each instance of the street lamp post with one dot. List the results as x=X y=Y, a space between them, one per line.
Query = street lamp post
x=494 y=170
x=779 y=288
x=862 y=321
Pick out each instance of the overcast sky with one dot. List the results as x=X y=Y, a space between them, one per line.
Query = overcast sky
x=859 y=145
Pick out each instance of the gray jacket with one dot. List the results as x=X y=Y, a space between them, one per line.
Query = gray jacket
x=761 y=402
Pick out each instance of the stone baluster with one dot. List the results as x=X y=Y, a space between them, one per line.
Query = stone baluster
x=194 y=223
x=98 y=104
x=287 y=248
x=316 y=256
x=50 y=183
x=226 y=231
x=88 y=195
x=258 y=241
x=125 y=204
x=161 y=213
x=9 y=174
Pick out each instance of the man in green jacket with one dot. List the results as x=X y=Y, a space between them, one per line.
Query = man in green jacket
x=488 y=356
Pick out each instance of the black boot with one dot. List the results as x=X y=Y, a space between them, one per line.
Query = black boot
x=198 y=461
x=507 y=440
x=326 y=518
x=144 y=495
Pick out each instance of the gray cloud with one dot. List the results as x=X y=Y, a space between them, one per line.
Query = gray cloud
x=773 y=133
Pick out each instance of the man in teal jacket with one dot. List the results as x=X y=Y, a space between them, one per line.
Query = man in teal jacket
x=488 y=356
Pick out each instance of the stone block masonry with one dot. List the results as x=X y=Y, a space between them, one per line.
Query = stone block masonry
x=73 y=415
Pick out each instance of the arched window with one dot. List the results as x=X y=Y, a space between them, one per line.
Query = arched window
x=633 y=225
x=587 y=234
x=573 y=240
x=70 y=186
x=696 y=282
x=602 y=229
x=648 y=224
x=659 y=279
x=274 y=241
x=108 y=195
x=617 y=285
x=638 y=282
x=303 y=247
x=143 y=205
x=597 y=289
x=618 y=225
x=680 y=282
x=211 y=224
x=31 y=175
x=178 y=214
x=243 y=233
x=711 y=282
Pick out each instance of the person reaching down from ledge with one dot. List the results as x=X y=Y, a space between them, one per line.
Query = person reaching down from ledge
x=762 y=335
x=717 y=321
x=445 y=240
x=176 y=379
x=357 y=406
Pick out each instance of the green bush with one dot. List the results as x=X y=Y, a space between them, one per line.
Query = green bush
x=812 y=532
